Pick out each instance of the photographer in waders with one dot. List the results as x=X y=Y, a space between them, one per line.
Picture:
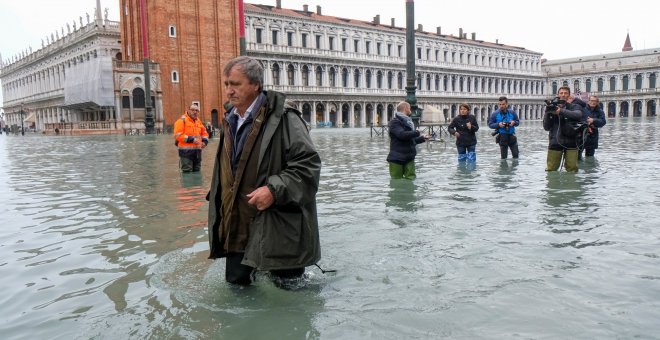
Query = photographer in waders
x=562 y=121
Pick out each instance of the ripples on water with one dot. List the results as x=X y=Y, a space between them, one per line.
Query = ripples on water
x=103 y=238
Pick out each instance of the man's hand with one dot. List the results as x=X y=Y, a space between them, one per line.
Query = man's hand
x=261 y=198
x=468 y=125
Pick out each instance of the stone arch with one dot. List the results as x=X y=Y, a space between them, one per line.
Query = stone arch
x=650 y=108
x=369 y=110
x=624 y=108
x=637 y=108
x=138 y=98
x=345 y=114
x=307 y=112
x=319 y=110
x=357 y=115
x=379 y=114
x=611 y=109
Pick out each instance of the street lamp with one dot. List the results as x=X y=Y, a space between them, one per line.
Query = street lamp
x=22 y=114
x=411 y=98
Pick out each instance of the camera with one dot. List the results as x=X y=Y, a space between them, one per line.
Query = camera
x=553 y=104
x=505 y=125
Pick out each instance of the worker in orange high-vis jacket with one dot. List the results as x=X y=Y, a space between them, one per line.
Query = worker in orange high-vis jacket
x=190 y=137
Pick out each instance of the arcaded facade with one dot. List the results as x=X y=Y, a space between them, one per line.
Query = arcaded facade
x=345 y=72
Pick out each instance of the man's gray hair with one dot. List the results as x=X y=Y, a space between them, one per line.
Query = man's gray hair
x=250 y=67
x=401 y=105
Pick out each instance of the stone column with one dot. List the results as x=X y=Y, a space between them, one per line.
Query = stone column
x=326 y=112
x=363 y=114
x=131 y=113
x=351 y=118
x=312 y=115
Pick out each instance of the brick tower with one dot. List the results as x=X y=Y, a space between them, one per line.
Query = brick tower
x=191 y=40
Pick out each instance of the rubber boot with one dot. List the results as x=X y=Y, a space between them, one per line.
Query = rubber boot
x=462 y=157
x=472 y=156
x=571 y=160
x=396 y=170
x=409 y=170
x=554 y=160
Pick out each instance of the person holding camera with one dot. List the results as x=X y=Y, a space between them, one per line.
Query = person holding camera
x=594 y=117
x=403 y=141
x=562 y=121
x=504 y=121
x=464 y=127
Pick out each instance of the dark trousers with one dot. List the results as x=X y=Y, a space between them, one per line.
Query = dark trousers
x=240 y=274
x=589 y=152
x=508 y=141
x=190 y=160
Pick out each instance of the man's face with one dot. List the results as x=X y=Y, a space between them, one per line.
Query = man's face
x=193 y=112
x=563 y=94
x=593 y=102
x=239 y=90
x=407 y=111
x=463 y=111
x=503 y=105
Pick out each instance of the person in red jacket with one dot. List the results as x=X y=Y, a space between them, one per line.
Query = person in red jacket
x=190 y=137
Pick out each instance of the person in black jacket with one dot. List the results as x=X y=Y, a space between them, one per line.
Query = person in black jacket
x=464 y=127
x=403 y=140
x=563 y=132
x=594 y=116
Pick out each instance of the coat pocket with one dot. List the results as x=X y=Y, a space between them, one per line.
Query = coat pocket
x=282 y=235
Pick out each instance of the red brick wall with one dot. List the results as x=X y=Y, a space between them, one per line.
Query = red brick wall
x=206 y=37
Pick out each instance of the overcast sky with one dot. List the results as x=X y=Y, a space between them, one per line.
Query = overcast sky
x=558 y=29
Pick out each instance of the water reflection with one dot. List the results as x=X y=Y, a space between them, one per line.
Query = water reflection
x=402 y=195
x=103 y=237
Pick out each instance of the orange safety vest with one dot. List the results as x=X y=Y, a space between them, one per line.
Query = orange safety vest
x=187 y=127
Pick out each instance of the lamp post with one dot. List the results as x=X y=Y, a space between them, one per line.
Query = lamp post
x=22 y=114
x=410 y=62
x=148 y=114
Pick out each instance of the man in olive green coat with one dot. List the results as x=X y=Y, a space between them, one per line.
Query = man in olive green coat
x=262 y=202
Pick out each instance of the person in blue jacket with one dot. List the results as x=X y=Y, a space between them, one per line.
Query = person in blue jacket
x=464 y=127
x=594 y=116
x=505 y=121
x=403 y=141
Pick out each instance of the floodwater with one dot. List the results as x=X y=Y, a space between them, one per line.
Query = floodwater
x=103 y=238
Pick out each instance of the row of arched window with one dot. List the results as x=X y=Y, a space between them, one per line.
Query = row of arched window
x=611 y=82
x=379 y=79
x=394 y=47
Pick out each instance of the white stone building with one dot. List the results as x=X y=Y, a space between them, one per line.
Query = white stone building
x=625 y=82
x=74 y=84
x=345 y=72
